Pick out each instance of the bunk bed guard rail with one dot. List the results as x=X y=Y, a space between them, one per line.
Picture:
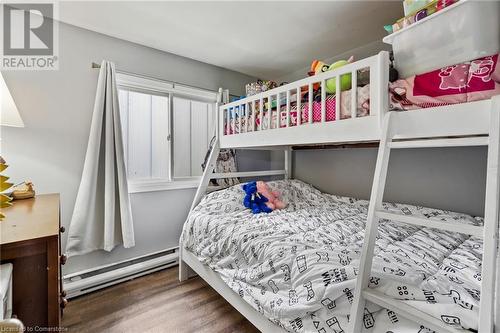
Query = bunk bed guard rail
x=264 y=119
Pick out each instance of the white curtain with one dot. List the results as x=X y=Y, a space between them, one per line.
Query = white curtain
x=102 y=215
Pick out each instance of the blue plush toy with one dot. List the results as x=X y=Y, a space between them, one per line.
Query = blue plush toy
x=254 y=200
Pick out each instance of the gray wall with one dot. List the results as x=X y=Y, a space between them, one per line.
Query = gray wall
x=452 y=178
x=56 y=107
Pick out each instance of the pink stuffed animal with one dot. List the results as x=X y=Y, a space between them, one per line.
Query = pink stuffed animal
x=272 y=196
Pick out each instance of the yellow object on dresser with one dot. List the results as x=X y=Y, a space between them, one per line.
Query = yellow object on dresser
x=5 y=200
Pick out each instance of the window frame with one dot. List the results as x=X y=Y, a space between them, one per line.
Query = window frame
x=154 y=86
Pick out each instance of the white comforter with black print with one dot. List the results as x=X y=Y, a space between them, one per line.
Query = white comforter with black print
x=298 y=266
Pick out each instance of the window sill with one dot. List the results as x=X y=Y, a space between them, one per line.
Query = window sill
x=139 y=186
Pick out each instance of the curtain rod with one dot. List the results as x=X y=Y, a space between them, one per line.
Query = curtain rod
x=97 y=66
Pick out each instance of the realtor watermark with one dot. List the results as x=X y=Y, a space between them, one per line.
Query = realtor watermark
x=29 y=36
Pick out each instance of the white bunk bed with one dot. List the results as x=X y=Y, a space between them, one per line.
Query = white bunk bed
x=470 y=124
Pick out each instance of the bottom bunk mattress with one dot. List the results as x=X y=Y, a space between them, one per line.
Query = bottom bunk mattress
x=298 y=266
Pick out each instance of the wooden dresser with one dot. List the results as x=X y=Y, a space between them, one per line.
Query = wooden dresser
x=30 y=240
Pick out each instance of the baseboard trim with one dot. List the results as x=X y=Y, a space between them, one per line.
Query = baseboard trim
x=86 y=281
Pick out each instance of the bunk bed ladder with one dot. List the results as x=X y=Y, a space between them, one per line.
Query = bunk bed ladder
x=489 y=232
x=207 y=173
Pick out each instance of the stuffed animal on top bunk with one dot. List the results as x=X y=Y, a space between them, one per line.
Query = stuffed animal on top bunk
x=345 y=80
x=260 y=199
x=318 y=67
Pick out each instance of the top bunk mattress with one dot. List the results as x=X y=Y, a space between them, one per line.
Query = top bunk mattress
x=298 y=266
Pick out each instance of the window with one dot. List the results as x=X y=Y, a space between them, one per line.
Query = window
x=145 y=130
x=167 y=129
x=193 y=128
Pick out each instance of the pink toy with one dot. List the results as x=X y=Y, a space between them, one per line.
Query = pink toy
x=461 y=83
x=272 y=196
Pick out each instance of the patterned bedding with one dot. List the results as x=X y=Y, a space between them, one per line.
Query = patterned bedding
x=298 y=266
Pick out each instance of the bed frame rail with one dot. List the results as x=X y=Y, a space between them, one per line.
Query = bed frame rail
x=237 y=120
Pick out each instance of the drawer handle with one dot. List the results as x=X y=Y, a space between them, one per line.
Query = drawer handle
x=64 y=302
x=63 y=259
x=62 y=229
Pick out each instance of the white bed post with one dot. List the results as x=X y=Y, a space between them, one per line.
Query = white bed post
x=488 y=283
x=379 y=82
x=497 y=292
x=183 y=267
x=288 y=163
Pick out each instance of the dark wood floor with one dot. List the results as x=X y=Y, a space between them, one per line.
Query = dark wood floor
x=155 y=303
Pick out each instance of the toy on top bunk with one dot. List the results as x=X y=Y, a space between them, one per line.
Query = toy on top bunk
x=278 y=101
x=259 y=86
x=260 y=198
x=363 y=77
x=318 y=67
x=254 y=88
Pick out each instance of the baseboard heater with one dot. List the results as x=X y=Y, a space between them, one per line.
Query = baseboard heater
x=86 y=281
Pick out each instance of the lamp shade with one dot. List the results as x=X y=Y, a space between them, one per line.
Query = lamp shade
x=9 y=115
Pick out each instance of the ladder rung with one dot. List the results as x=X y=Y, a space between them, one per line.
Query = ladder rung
x=453 y=142
x=467 y=229
x=247 y=174
x=408 y=311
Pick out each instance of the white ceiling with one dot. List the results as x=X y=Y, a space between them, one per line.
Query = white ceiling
x=263 y=39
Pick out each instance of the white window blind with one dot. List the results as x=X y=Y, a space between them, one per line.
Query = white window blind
x=167 y=130
x=145 y=130
x=193 y=129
